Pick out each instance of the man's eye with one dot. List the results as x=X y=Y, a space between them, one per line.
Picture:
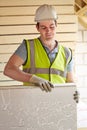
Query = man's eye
x=43 y=28
x=52 y=27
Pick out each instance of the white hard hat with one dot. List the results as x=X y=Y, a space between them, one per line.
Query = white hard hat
x=45 y=12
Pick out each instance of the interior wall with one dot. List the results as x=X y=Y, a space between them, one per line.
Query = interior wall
x=81 y=74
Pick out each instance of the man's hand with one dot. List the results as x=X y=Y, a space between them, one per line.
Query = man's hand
x=44 y=84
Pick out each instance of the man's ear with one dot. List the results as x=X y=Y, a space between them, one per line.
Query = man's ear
x=37 y=27
x=56 y=23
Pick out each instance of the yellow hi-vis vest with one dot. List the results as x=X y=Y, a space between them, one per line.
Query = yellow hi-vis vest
x=39 y=64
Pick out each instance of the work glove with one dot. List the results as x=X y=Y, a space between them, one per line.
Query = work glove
x=42 y=83
x=76 y=96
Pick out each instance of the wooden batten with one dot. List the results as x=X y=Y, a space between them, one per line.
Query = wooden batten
x=26 y=29
x=37 y=2
x=29 y=20
x=18 y=38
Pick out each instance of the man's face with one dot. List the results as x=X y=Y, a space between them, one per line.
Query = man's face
x=47 y=29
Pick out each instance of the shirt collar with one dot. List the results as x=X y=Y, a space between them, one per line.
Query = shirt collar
x=55 y=50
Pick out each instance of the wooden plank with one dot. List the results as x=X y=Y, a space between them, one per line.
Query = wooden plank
x=67 y=19
x=18 y=29
x=85 y=1
x=30 y=10
x=66 y=37
x=11 y=83
x=7 y=49
x=19 y=38
x=34 y=2
x=5 y=57
x=23 y=20
x=2 y=66
x=32 y=29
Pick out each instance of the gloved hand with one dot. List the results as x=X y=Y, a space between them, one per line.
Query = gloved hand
x=44 y=84
x=76 y=96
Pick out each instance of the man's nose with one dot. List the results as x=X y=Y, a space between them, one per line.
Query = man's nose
x=48 y=29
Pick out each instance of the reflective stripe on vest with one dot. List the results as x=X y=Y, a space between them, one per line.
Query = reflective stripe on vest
x=45 y=71
x=34 y=70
